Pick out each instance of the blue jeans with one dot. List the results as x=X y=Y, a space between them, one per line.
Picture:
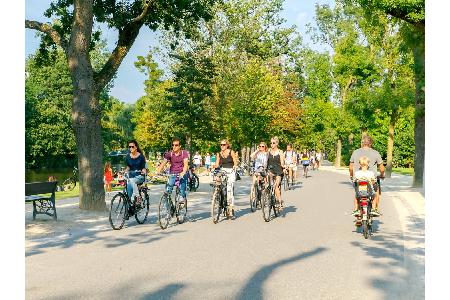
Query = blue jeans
x=132 y=188
x=183 y=182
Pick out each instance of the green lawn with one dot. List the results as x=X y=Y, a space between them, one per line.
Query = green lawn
x=403 y=171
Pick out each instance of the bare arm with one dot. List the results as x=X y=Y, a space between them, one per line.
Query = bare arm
x=350 y=169
x=253 y=155
x=185 y=167
x=235 y=159
x=381 y=166
x=161 y=166
x=216 y=164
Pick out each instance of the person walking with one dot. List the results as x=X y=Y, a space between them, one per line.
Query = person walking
x=108 y=176
x=207 y=163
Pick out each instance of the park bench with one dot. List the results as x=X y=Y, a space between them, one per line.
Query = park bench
x=38 y=193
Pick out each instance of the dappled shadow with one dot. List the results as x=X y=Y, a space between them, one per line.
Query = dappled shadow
x=253 y=289
x=166 y=292
x=401 y=258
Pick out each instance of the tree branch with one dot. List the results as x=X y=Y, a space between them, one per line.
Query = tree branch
x=127 y=36
x=47 y=29
x=144 y=12
x=404 y=16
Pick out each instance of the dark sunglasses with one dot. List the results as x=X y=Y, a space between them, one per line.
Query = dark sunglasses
x=175 y=145
x=273 y=143
x=131 y=147
x=223 y=144
x=262 y=146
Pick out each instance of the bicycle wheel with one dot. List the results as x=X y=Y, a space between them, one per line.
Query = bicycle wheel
x=118 y=211
x=253 y=198
x=286 y=182
x=181 y=210
x=164 y=213
x=141 y=212
x=69 y=184
x=216 y=209
x=365 y=228
x=196 y=182
x=266 y=205
x=274 y=205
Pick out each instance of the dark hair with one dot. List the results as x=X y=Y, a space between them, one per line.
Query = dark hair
x=137 y=146
x=175 y=139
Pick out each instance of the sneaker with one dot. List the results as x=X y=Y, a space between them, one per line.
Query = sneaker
x=182 y=201
x=374 y=212
x=355 y=212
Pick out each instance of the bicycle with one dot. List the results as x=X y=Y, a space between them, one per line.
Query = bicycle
x=256 y=191
x=122 y=207
x=167 y=209
x=193 y=180
x=70 y=183
x=288 y=181
x=219 y=201
x=365 y=194
x=269 y=202
x=305 y=168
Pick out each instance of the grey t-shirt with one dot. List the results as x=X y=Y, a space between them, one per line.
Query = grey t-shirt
x=373 y=155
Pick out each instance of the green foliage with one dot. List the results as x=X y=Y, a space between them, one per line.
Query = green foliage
x=49 y=138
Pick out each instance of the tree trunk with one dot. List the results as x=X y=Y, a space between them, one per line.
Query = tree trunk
x=419 y=126
x=390 y=147
x=88 y=137
x=337 y=161
x=86 y=110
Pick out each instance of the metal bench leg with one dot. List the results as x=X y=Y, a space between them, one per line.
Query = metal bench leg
x=34 y=210
x=54 y=209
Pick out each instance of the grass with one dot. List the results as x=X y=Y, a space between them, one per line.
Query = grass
x=403 y=171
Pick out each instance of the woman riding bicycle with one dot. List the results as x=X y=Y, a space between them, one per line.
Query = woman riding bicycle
x=275 y=164
x=226 y=159
x=135 y=162
x=260 y=157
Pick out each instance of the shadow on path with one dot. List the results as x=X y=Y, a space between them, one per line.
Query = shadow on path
x=167 y=292
x=253 y=289
x=401 y=257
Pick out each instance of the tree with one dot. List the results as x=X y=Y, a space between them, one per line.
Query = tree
x=412 y=13
x=73 y=32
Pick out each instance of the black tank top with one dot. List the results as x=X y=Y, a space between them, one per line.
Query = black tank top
x=274 y=162
x=226 y=162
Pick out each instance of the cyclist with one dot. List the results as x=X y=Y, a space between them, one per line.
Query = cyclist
x=227 y=160
x=318 y=159
x=135 y=162
x=179 y=164
x=375 y=160
x=305 y=161
x=290 y=159
x=275 y=163
x=260 y=160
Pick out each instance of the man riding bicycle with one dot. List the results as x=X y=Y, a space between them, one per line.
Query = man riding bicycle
x=375 y=160
x=179 y=164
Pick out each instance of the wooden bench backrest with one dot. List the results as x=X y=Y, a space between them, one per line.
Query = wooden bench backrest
x=35 y=188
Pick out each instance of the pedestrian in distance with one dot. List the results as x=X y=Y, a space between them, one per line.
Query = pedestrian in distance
x=107 y=176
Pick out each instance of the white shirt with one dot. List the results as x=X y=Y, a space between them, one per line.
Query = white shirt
x=197 y=159
x=207 y=160
x=365 y=175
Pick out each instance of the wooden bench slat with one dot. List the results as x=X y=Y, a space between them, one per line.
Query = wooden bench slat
x=34 y=188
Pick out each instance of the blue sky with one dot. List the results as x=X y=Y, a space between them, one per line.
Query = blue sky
x=129 y=84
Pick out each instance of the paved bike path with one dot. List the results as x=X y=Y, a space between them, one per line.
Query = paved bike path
x=313 y=252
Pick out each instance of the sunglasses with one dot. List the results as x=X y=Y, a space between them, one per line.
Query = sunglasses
x=262 y=146
x=273 y=143
x=223 y=144
x=131 y=147
x=175 y=145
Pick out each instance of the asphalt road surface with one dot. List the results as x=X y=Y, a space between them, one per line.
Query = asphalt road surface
x=312 y=252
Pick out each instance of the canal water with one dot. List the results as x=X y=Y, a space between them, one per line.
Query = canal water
x=44 y=174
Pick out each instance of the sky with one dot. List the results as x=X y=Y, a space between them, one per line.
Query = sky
x=129 y=84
